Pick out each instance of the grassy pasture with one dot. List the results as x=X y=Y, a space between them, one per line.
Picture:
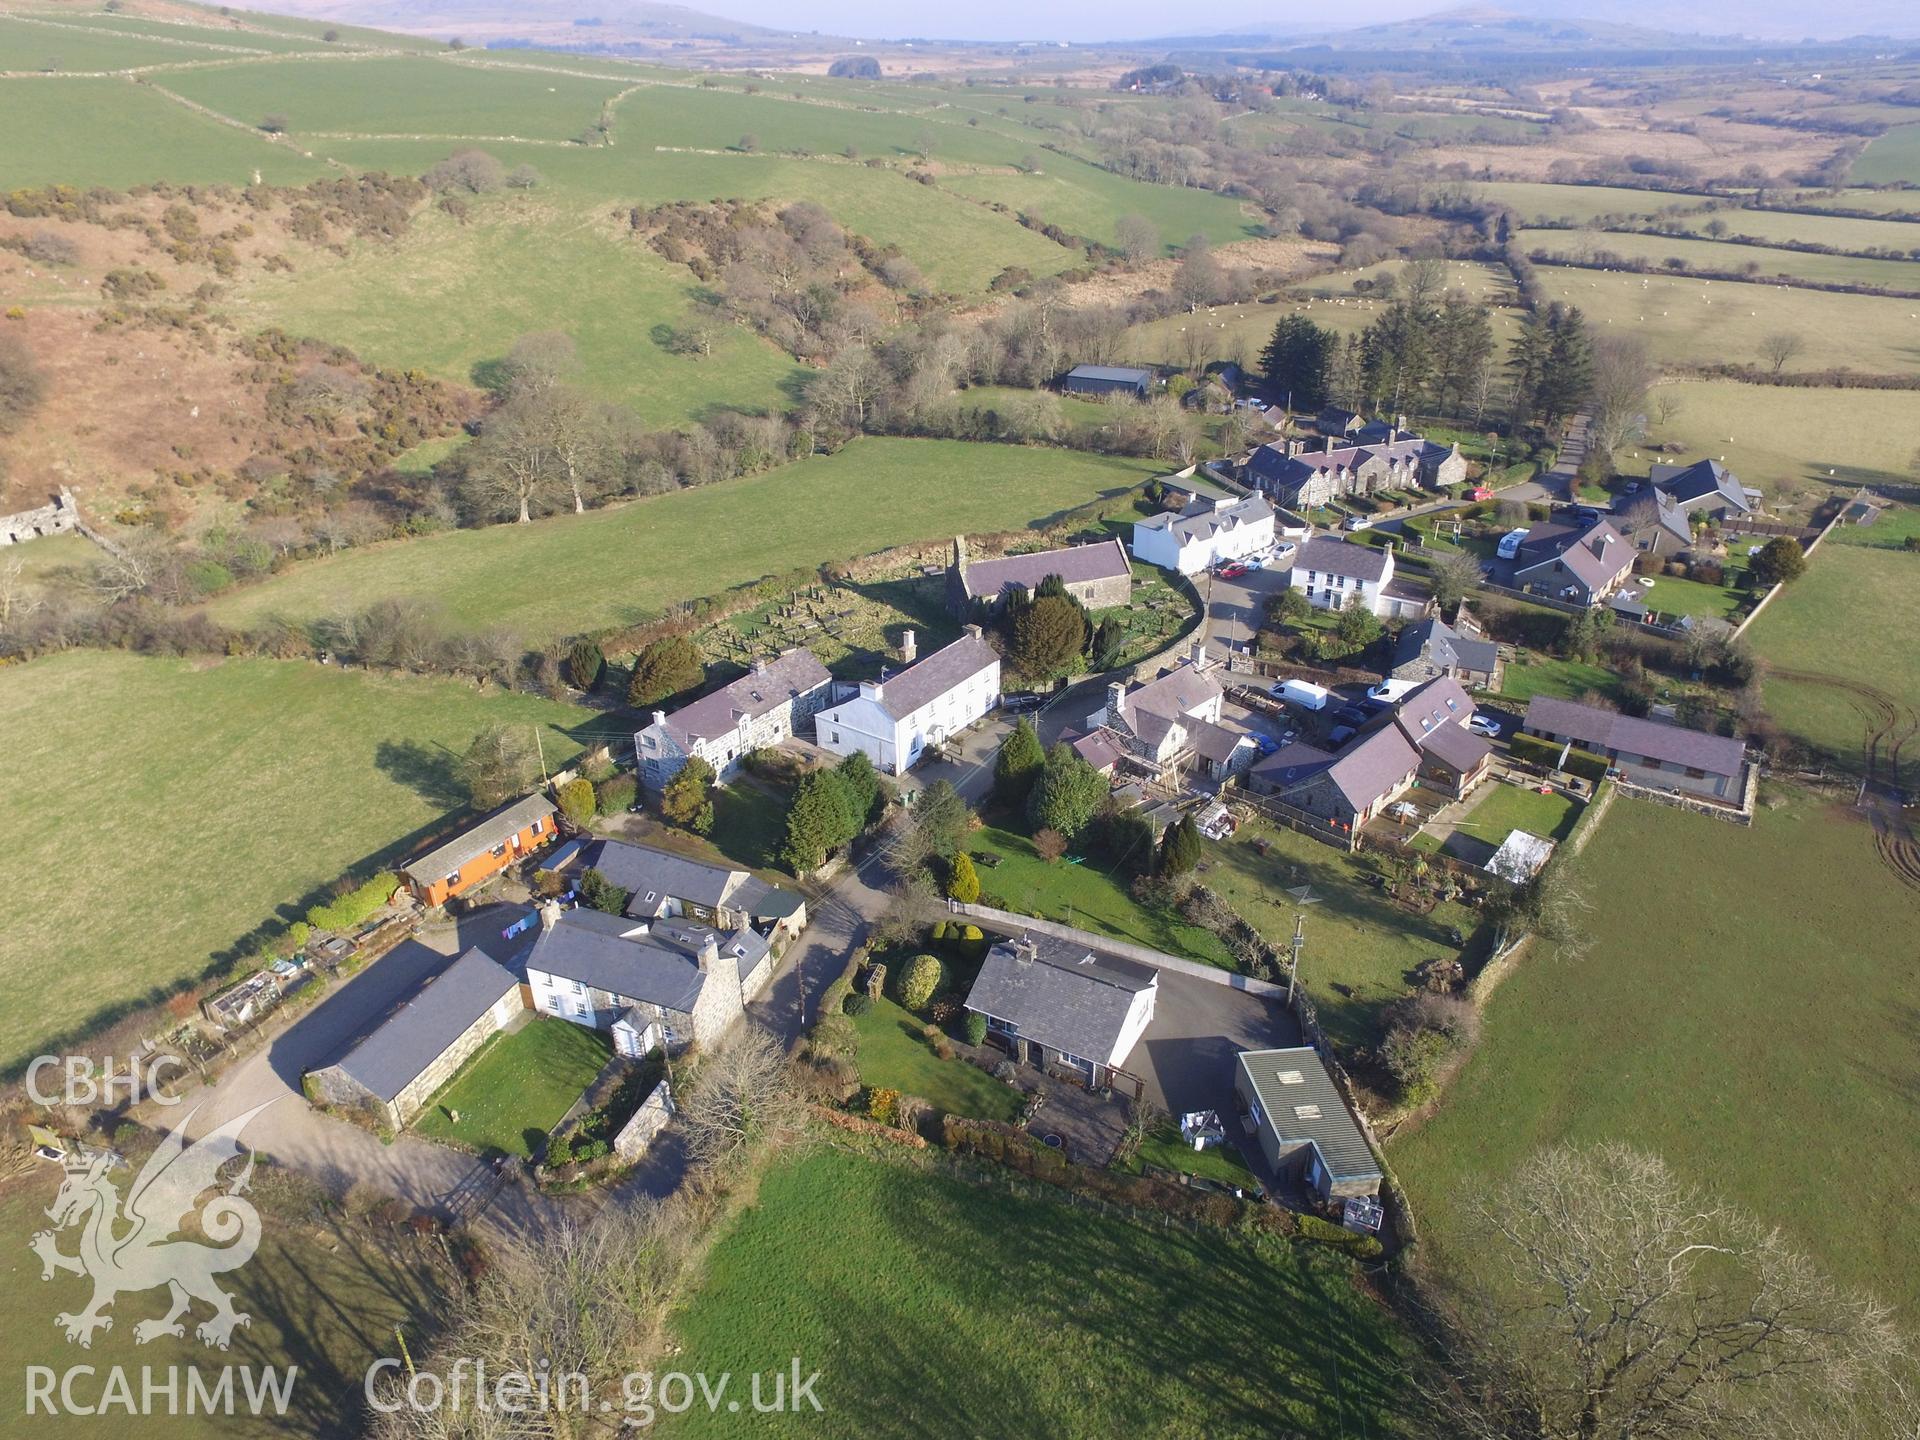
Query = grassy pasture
x=1679 y=1033
x=1885 y=201
x=1890 y=157
x=114 y=133
x=400 y=95
x=516 y=1088
x=1089 y=201
x=1841 y=231
x=937 y=1308
x=229 y=34
x=1786 y=440
x=1533 y=200
x=1719 y=255
x=1688 y=321
x=172 y=806
x=623 y=564
x=27 y=46
x=323 y=1296
x=1852 y=615
x=446 y=296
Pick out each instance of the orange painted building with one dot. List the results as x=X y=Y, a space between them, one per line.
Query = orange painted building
x=482 y=850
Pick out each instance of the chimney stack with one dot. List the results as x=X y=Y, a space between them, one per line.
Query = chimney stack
x=909 y=648
x=659 y=717
x=1197 y=653
x=1025 y=949
x=549 y=914
x=972 y=632
x=1116 y=699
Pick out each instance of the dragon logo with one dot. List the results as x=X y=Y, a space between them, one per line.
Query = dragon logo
x=141 y=1248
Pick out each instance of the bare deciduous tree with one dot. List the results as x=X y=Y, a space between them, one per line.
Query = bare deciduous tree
x=1779 y=348
x=743 y=1099
x=513 y=464
x=1456 y=574
x=1623 y=372
x=1633 y=1307
x=1138 y=237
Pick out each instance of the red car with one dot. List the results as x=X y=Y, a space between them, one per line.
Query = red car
x=1232 y=572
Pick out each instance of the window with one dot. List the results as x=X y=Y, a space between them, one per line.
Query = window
x=553 y=1003
x=500 y=849
x=1694 y=773
x=535 y=827
x=580 y=1008
x=1291 y=1077
x=454 y=878
x=578 y=988
x=1306 y=1112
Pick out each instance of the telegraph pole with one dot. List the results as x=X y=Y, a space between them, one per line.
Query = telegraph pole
x=1293 y=964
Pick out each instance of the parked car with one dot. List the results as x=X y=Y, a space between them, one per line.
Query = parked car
x=1233 y=571
x=1022 y=702
x=1390 y=690
x=1484 y=725
x=1371 y=707
x=1265 y=744
x=1357 y=522
x=1253 y=562
x=1349 y=715
x=1340 y=734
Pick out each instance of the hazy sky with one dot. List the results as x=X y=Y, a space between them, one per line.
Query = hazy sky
x=1053 y=19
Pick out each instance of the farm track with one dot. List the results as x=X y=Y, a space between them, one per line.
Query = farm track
x=1887 y=724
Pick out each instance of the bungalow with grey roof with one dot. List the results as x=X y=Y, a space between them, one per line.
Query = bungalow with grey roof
x=1647 y=752
x=765 y=707
x=1705 y=488
x=414 y=1051
x=1344 y=789
x=1057 y=1005
x=1300 y=1121
x=482 y=849
x=1431 y=648
x=896 y=718
x=1099 y=576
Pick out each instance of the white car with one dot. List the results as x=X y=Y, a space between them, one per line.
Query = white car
x=1484 y=725
x=1357 y=522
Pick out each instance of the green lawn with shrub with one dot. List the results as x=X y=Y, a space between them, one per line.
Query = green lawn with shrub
x=516 y=1088
x=894 y=1055
x=1164 y=1148
x=1093 y=895
x=934 y=1307
x=1537 y=674
x=1504 y=808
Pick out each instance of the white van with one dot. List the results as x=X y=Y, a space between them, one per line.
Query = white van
x=1303 y=693
x=1510 y=544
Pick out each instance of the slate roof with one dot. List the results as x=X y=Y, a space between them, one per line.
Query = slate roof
x=1343 y=1149
x=1627 y=735
x=621 y=956
x=1201 y=521
x=478 y=838
x=1121 y=374
x=1432 y=705
x=945 y=669
x=1652 y=506
x=1076 y=565
x=1704 y=482
x=1445 y=646
x=1327 y=556
x=640 y=869
x=1066 y=996
x=1271 y=464
x=1457 y=747
x=418 y=1033
x=1170 y=697
x=1362 y=773
x=1595 y=557
x=1099 y=749
x=1216 y=742
x=787 y=676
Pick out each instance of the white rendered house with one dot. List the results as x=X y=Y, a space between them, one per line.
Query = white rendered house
x=894 y=719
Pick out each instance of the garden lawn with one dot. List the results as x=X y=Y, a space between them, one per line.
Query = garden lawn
x=1360 y=945
x=1562 y=679
x=1083 y=895
x=516 y=1088
x=324 y=1296
x=1164 y=1148
x=1505 y=808
x=625 y=564
x=1671 y=596
x=169 y=807
x=1853 y=616
x=895 y=1055
x=1747 y=1012
x=935 y=1308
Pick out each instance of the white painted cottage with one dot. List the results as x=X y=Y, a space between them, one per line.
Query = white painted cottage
x=895 y=718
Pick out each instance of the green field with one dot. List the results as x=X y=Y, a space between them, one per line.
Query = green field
x=1890 y=158
x=1711 y=322
x=1737 y=1015
x=1360 y=946
x=267 y=34
x=1853 y=616
x=514 y=1091
x=1582 y=204
x=1723 y=256
x=324 y=1297
x=406 y=95
x=115 y=133
x=25 y=45
x=446 y=296
x=622 y=565
x=937 y=1308
x=1786 y=440
x=894 y=1055
x=1843 y=232
x=1089 y=201
x=168 y=807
